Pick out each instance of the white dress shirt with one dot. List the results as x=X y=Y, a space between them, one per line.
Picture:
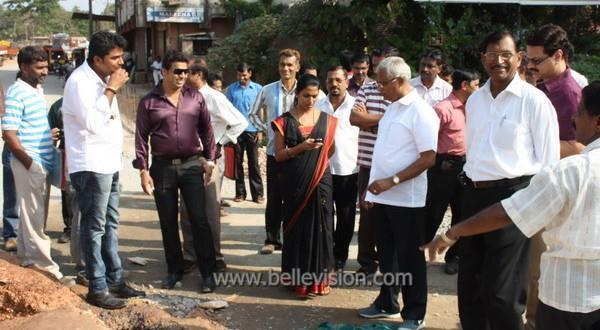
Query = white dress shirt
x=227 y=122
x=581 y=80
x=93 y=131
x=512 y=135
x=438 y=91
x=563 y=199
x=343 y=160
x=408 y=128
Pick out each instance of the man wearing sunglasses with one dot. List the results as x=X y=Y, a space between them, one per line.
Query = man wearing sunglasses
x=177 y=118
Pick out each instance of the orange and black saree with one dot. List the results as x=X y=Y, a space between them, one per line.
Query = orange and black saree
x=307 y=201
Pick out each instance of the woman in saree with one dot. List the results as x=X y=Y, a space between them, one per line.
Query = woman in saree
x=303 y=145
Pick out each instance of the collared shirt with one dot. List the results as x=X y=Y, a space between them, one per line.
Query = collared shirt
x=354 y=87
x=438 y=91
x=408 y=128
x=565 y=94
x=92 y=125
x=227 y=122
x=563 y=199
x=26 y=110
x=276 y=100
x=451 y=137
x=581 y=80
x=511 y=135
x=343 y=160
x=177 y=131
x=370 y=96
x=243 y=97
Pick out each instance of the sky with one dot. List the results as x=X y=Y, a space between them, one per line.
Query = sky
x=98 y=5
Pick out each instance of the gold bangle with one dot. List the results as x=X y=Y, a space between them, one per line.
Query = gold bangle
x=111 y=89
x=447 y=239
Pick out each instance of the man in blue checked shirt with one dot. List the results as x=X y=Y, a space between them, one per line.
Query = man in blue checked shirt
x=27 y=133
x=242 y=94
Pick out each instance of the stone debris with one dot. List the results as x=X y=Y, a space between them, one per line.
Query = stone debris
x=138 y=260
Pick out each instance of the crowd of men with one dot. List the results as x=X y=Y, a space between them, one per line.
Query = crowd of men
x=407 y=148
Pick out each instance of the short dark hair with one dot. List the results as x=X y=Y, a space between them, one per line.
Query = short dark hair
x=360 y=58
x=434 y=54
x=552 y=38
x=102 y=43
x=31 y=54
x=173 y=56
x=460 y=75
x=336 y=68
x=308 y=66
x=307 y=80
x=495 y=37
x=212 y=77
x=590 y=98
x=197 y=68
x=243 y=67
x=447 y=69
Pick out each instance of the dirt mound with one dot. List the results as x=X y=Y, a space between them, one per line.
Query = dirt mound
x=27 y=291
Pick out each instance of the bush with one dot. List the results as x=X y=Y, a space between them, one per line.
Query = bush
x=587 y=65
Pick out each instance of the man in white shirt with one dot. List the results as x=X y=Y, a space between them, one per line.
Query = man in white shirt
x=428 y=84
x=228 y=124
x=342 y=163
x=273 y=100
x=405 y=148
x=512 y=133
x=563 y=199
x=156 y=67
x=92 y=125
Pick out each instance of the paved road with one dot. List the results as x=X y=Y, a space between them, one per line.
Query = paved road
x=242 y=237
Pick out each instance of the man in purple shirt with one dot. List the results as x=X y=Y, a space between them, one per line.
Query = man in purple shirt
x=547 y=49
x=177 y=119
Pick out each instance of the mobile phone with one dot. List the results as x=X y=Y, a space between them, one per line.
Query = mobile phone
x=318 y=140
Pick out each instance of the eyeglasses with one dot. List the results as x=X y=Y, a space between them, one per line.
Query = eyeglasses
x=538 y=61
x=180 y=71
x=505 y=56
x=381 y=84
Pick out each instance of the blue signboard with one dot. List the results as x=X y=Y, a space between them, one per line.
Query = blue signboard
x=175 y=15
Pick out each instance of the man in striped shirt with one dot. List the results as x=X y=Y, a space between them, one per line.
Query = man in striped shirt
x=368 y=109
x=27 y=133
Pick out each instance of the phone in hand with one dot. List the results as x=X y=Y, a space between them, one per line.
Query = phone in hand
x=318 y=140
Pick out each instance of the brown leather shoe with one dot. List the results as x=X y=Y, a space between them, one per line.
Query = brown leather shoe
x=238 y=199
x=259 y=200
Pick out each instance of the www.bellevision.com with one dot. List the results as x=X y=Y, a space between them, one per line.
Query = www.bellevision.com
x=339 y=279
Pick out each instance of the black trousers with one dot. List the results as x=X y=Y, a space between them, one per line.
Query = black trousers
x=367 y=253
x=168 y=181
x=550 y=318
x=68 y=198
x=273 y=211
x=443 y=189
x=493 y=268
x=246 y=142
x=344 y=197
x=399 y=234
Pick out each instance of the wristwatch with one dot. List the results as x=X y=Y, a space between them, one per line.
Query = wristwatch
x=395 y=179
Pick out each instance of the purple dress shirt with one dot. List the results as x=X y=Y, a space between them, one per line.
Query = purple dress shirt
x=176 y=131
x=565 y=94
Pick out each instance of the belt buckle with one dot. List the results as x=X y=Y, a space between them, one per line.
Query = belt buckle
x=176 y=161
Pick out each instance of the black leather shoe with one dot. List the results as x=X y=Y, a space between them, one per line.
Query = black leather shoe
x=105 y=300
x=208 y=285
x=124 y=290
x=220 y=266
x=170 y=281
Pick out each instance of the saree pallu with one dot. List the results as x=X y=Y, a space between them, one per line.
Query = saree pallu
x=307 y=203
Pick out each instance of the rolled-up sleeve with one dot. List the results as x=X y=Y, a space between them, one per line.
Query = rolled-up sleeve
x=142 y=131
x=532 y=208
x=205 y=131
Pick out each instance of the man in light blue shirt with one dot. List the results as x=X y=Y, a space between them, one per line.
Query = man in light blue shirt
x=273 y=100
x=242 y=95
x=27 y=134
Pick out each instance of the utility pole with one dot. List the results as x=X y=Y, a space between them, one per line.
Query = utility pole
x=90 y=20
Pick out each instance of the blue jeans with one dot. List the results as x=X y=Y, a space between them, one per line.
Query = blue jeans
x=98 y=196
x=10 y=208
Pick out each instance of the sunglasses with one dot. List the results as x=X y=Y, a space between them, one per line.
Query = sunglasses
x=180 y=71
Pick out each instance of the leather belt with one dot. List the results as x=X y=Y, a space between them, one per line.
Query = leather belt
x=175 y=161
x=501 y=183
